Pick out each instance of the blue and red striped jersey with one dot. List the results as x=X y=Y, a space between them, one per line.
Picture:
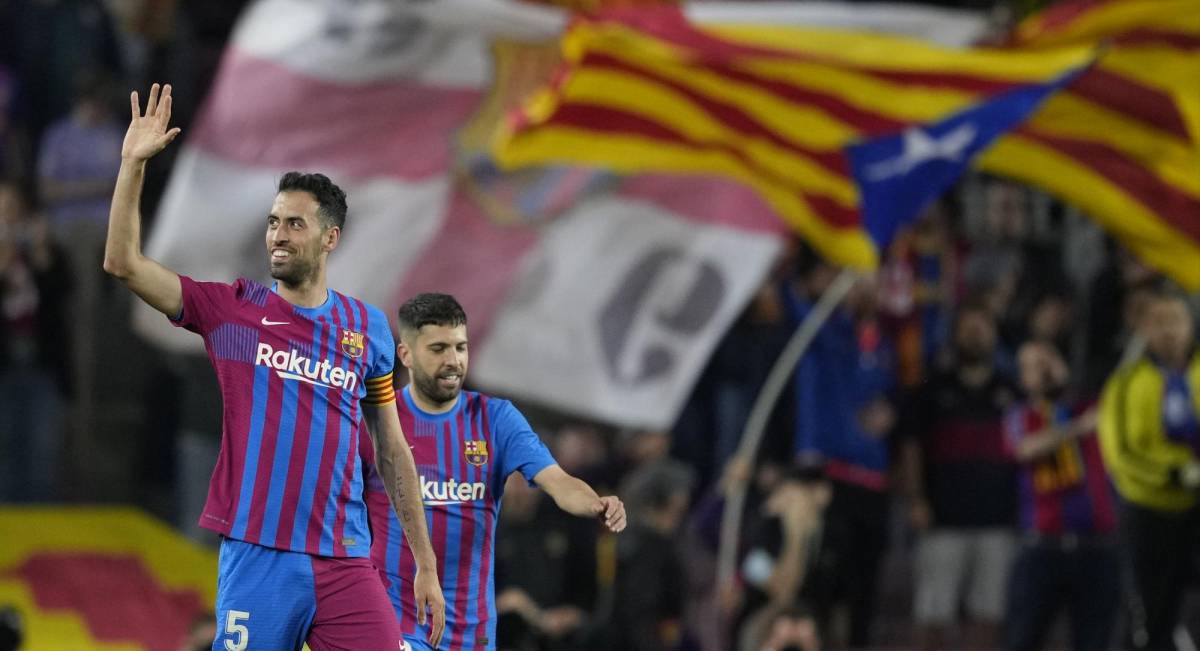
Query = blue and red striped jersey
x=463 y=458
x=1067 y=491
x=292 y=380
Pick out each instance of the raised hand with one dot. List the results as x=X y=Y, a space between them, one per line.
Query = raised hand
x=148 y=134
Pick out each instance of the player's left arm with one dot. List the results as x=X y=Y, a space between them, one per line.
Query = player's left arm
x=395 y=464
x=574 y=496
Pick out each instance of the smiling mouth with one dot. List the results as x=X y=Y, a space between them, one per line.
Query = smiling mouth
x=280 y=255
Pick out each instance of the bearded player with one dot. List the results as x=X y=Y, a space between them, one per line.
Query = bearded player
x=466 y=444
x=304 y=373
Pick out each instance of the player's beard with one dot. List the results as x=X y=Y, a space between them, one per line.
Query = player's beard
x=296 y=271
x=428 y=386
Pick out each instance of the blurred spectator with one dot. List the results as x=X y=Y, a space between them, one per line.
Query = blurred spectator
x=784 y=541
x=639 y=447
x=545 y=572
x=12 y=629
x=1116 y=300
x=77 y=167
x=10 y=154
x=844 y=416
x=1067 y=557
x=709 y=429
x=581 y=451
x=79 y=157
x=33 y=350
x=782 y=628
x=961 y=486
x=1050 y=321
x=919 y=283
x=201 y=635
x=644 y=609
x=708 y=606
x=50 y=41
x=1150 y=430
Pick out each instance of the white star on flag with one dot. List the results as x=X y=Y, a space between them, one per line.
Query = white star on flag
x=921 y=148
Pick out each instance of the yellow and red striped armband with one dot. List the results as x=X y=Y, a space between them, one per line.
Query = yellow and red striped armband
x=380 y=390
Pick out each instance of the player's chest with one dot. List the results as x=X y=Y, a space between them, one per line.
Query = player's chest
x=321 y=351
x=454 y=467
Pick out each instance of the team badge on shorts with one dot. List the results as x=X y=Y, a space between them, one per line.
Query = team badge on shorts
x=476 y=452
x=352 y=343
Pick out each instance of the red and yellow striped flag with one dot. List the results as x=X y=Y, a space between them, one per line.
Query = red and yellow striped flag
x=1122 y=142
x=774 y=107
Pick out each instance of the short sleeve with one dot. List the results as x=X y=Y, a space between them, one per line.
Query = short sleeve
x=203 y=304
x=520 y=448
x=380 y=385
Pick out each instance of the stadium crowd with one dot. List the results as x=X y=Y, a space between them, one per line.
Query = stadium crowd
x=1000 y=426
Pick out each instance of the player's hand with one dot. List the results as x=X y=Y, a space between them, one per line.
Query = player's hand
x=612 y=511
x=429 y=596
x=148 y=134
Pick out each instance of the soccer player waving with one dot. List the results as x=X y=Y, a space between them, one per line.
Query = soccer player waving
x=466 y=445
x=304 y=373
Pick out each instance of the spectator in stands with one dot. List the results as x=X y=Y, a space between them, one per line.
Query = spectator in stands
x=48 y=42
x=10 y=154
x=1050 y=321
x=844 y=416
x=77 y=166
x=1116 y=301
x=960 y=483
x=782 y=628
x=33 y=350
x=643 y=610
x=581 y=451
x=919 y=282
x=709 y=428
x=545 y=608
x=1150 y=431
x=1067 y=556
x=784 y=540
x=76 y=160
x=12 y=629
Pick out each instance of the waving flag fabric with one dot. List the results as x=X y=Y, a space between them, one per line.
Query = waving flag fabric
x=108 y=579
x=898 y=176
x=1122 y=142
x=773 y=108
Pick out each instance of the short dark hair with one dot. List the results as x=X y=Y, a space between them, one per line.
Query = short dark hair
x=330 y=198
x=430 y=309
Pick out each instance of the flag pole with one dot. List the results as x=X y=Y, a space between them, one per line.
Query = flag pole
x=760 y=414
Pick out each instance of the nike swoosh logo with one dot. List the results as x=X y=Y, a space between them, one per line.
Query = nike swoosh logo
x=271 y=323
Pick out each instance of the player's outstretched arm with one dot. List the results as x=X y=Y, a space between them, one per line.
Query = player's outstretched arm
x=395 y=464
x=148 y=134
x=574 y=496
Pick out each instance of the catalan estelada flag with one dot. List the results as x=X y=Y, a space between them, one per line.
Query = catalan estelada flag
x=103 y=579
x=773 y=107
x=1122 y=141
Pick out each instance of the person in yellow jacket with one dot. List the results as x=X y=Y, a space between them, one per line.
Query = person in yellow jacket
x=1150 y=437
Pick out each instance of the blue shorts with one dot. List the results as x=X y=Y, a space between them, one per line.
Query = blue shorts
x=274 y=600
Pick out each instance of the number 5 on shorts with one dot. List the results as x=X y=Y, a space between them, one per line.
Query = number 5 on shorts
x=232 y=627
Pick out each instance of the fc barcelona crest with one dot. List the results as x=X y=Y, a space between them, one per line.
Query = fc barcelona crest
x=352 y=343
x=476 y=452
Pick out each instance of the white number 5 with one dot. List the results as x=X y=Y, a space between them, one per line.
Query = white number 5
x=232 y=627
